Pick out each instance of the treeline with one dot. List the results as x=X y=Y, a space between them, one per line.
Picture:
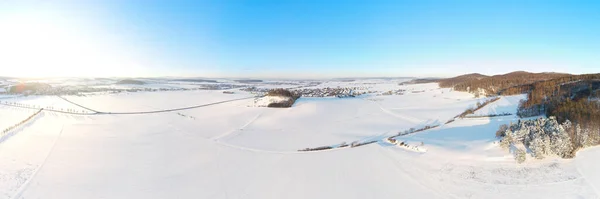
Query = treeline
x=575 y=98
x=282 y=92
x=506 y=84
x=574 y=87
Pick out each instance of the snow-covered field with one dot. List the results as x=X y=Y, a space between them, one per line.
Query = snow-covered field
x=237 y=150
x=11 y=115
x=145 y=101
x=46 y=102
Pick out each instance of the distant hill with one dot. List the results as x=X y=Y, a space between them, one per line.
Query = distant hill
x=496 y=84
x=102 y=79
x=421 y=81
x=248 y=81
x=131 y=81
x=196 y=80
x=33 y=87
x=567 y=97
x=461 y=79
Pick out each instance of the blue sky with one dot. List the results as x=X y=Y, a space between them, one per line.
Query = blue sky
x=312 y=38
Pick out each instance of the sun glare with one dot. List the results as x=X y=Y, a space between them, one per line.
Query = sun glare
x=42 y=46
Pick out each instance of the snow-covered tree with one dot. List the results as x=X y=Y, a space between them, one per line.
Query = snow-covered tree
x=543 y=136
x=537 y=148
x=520 y=155
x=507 y=139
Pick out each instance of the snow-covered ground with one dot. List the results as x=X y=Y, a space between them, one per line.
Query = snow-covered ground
x=144 y=101
x=237 y=150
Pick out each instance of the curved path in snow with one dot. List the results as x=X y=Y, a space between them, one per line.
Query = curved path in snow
x=135 y=112
x=176 y=109
x=404 y=117
x=26 y=183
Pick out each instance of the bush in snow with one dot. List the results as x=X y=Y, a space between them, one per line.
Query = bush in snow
x=500 y=132
x=357 y=144
x=520 y=155
x=343 y=144
x=507 y=139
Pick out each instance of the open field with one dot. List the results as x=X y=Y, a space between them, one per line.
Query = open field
x=236 y=150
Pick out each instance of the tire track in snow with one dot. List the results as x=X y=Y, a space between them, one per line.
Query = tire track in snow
x=23 y=187
x=577 y=167
x=404 y=117
x=387 y=153
x=241 y=128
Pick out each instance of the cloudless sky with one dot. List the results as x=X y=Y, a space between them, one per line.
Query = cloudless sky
x=303 y=38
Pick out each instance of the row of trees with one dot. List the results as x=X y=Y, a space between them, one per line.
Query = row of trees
x=342 y=145
x=478 y=106
x=413 y=130
x=5 y=131
x=16 y=104
x=490 y=115
x=357 y=143
x=19 y=104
